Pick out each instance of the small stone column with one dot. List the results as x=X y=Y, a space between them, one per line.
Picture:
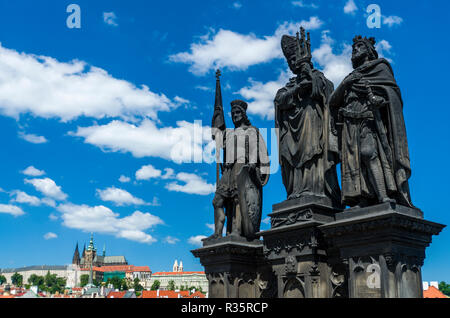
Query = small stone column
x=235 y=268
x=384 y=249
x=297 y=252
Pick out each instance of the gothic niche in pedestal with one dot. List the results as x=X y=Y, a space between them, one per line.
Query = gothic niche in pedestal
x=294 y=289
x=366 y=278
x=410 y=277
x=217 y=288
x=246 y=289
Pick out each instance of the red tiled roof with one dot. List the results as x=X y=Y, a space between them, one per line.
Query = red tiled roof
x=197 y=294
x=115 y=294
x=119 y=268
x=175 y=273
x=164 y=294
x=433 y=292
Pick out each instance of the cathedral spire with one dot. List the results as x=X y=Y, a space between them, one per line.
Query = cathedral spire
x=104 y=250
x=76 y=256
x=91 y=243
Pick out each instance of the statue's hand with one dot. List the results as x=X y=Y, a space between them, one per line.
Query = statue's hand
x=376 y=100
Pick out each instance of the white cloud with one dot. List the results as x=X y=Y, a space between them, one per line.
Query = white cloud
x=193 y=184
x=204 y=88
x=11 y=209
x=47 y=88
x=238 y=51
x=50 y=236
x=147 y=172
x=196 y=240
x=34 y=139
x=334 y=66
x=237 y=5
x=169 y=174
x=312 y=24
x=261 y=95
x=33 y=172
x=53 y=217
x=302 y=4
x=101 y=219
x=119 y=197
x=49 y=202
x=110 y=18
x=211 y=226
x=48 y=187
x=383 y=48
x=392 y=20
x=22 y=197
x=124 y=179
x=137 y=236
x=350 y=7
x=180 y=144
x=171 y=240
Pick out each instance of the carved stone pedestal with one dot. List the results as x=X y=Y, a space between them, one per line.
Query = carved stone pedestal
x=235 y=268
x=297 y=253
x=383 y=247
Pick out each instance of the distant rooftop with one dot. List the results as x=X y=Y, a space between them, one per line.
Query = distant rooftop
x=34 y=268
x=176 y=273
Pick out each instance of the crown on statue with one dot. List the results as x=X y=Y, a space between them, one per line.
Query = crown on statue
x=303 y=52
x=300 y=46
x=369 y=43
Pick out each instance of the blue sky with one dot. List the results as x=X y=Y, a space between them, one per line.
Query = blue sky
x=93 y=119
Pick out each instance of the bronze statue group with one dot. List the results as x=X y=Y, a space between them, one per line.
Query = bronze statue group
x=359 y=124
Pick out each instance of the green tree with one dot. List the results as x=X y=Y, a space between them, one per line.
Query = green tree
x=124 y=284
x=36 y=280
x=116 y=282
x=84 y=280
x=171 y=285
x=444 y=288
x=196 y=289
x=53 y=283
x=17 y=279
x=155 y=285
x=2 y=279
x=136 y=285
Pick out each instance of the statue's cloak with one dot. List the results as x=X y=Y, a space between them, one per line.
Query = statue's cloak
x=321 y=143
x=390 y=122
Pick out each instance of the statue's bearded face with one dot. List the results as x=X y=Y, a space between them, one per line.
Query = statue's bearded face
x=237 y=115
x=359 y=54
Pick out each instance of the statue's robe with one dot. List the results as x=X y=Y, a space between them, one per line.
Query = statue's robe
x=306 y=142
x=390 y=132
x=245 y=171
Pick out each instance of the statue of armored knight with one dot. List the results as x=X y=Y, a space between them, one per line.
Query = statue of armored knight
x=374 y=149
x=245 y=170
x=308 y=148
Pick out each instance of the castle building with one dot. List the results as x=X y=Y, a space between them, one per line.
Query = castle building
x=98 y=267
x=89 y=258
